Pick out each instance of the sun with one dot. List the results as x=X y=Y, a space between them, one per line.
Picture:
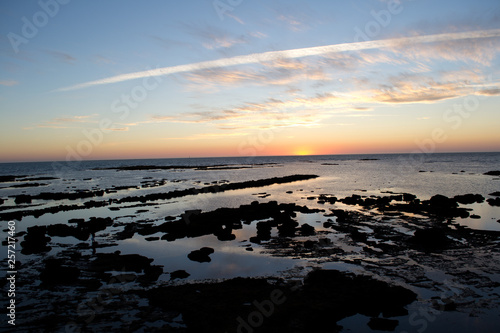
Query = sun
x=302 y=152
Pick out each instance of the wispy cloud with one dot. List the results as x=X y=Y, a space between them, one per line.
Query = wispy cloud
x=205 y=136
x=66 y=122
x=62 y=56
x=9 y=83
x=397 y=43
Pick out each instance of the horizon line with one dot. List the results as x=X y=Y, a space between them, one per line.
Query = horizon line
x=258 y=156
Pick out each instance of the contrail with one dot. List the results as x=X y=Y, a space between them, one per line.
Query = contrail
x=289 y=54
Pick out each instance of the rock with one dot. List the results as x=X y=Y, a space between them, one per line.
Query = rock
x=469 y=198
x=383 y=324
x=179 y=274
x=495 y=194
x=430 y=239
x=307 y=230
x=149 y=239
x=249 y=249
x=442 y=202
x=117 y=262
x=201 y=255
x=55 y=273
x=151 y=274
x=22 y=199
x=122 y=278
x=494 y=202
x=474 y=216
x=35 y=241
x=492 y=173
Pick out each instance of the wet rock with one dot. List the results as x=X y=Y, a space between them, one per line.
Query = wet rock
x=383 y=324
x=469 y=198
x=495 y=194
x=35 y=241
x=1 y=201
x=76 y=220
x=250 y=249
x=307 y=230
x=492 y=173
x=122 y=278
x=117 y=262
x=494 y=202
x=179 y=274
x=151 y=274
x=430 y=239
x=22 y=199
x=150 y=239
x=57 y=273
x=352 y=200
x=474 y=216
x=201 y=255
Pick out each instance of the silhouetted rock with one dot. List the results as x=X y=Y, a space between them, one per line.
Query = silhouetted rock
x=383 y=324
x=179 y=274
x=430 y=239
x=495 y=194
x=492 y=173
x=201 y=255
x=117 y=262
x=307 y=230
x=35 y=241
x=494 y=202
x=469 y=198
x=57 y=273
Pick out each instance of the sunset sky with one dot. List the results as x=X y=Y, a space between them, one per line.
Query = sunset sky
x=153 y=79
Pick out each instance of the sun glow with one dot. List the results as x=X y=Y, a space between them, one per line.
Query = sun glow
x=302 y=152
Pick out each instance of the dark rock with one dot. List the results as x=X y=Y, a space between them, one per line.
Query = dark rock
x=249 y=249
x=201 y=255
x=494 y=202
x=149 y=239
x=117 y=262
x=57 y=273
x=151 y=274
x=495 y=194
x=35 y=241
x=492 y=173
x=22 y=199
x=179 y=274
x=383 y=324
x=307 y=230
x=430 y=239
x=122 y=278
x=474 y=216
x=469 y=198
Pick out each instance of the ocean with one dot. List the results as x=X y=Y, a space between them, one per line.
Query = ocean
x=340 y=176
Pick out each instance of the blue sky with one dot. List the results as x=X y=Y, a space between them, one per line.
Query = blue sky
x=379 y=88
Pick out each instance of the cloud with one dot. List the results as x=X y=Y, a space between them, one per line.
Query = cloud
x=65 y=57
x=391 y=44
x=9 y=83
x=65 y=122
x=205 y=136
x=118 y=129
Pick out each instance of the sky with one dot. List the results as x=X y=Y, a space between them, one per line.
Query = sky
x=92 y=80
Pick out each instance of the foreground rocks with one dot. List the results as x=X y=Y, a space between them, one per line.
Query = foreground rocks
x=326 y=297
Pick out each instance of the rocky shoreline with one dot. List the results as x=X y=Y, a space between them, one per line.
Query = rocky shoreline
x=375 y=256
